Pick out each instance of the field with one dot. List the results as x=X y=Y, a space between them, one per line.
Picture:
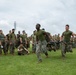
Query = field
x=27 y=64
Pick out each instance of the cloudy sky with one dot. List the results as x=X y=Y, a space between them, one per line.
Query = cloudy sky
x=53 y=15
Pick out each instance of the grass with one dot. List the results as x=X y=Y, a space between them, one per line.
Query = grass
x=27 y=64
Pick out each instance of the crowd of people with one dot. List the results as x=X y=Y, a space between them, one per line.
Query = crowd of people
x=42 y=41
x=11 y=41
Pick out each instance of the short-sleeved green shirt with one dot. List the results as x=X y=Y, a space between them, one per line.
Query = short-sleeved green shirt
x=40 y=35
x=13 y=36
x=24 y=37
x=67 y=35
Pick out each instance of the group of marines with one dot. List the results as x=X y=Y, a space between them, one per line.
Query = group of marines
x=42 y=42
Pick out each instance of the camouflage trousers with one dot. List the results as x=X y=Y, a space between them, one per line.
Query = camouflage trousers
x=34 y=47
x=65 y=47
x=41 y=48
x=12 y=47
x=5 y=47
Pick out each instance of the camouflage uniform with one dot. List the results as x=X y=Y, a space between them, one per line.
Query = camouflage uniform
x=22 y=50
x=6 y=46
x=33 y=43
x=24 y=39
x=58 y=41
x=27 y=42
x=18 y=40
x=41 y=44
x=12 y=43
x=2 y=39
x=66 y=45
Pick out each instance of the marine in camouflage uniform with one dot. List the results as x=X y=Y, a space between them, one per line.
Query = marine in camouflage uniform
x=7 y=41
x=18 y=39
x=65 y=39
x=2 y=39
x=27 y=42
x=24 y=38
x=58 y=41
x=6 y=44
x=41 y=43
x=22 y=50
x=34 y=42
x=12 y=42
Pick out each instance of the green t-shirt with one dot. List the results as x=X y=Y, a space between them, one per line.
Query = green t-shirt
x=67 y=35
x=40 y=35
x=24 y=37
x=13 y=36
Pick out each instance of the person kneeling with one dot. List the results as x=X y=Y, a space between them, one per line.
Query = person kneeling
x=22 y=50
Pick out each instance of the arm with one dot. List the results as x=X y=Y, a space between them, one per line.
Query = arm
x=26 y=50
x=19 y=49
x=61 y=38
x=73 y=34
x=21 y=40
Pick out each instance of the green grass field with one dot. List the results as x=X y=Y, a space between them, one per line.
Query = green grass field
x=27 y=64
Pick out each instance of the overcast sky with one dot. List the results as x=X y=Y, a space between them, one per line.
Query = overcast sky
x=53 y=15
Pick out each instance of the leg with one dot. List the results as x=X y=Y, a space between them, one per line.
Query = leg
x=63 y=51
x=38 y=51
x=4 y=47
x=44 y=48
